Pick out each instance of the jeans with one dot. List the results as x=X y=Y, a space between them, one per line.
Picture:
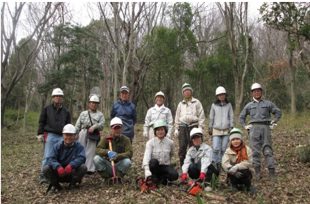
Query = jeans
x=103 y=164
x=216 y=140
x=51 y=140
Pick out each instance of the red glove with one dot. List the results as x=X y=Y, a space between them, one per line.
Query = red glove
x=184 y=177
x=68 y=170
x=202 y=176
x=61 y=171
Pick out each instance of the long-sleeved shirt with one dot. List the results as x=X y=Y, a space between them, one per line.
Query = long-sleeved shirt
x=162 y=150
x=83 y=121
x=221 y=116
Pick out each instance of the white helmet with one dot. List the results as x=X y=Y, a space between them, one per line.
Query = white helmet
x=256 y=86
x=57 y=92
x=220 y=90
x=195 y=131
x=159 y=94
x=116 y=121
x=69 y=129
x=94 y=98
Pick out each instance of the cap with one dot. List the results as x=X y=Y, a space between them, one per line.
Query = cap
x=124 y=88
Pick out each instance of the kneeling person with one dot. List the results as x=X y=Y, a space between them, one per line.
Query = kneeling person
x=121 y=154
x=158 y=154
x=237 y=161
x=66 y=162
x=198 y=160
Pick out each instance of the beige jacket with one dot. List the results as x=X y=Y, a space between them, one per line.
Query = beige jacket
x=230 y=159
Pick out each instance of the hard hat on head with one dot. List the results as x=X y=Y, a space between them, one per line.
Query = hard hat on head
x=195 y=132
x=160 y=123
x=187 y=86
x=236 y=133
x=124 y=88
x=94 y=98
x=69 y=129
x=256 y=86
x=57 y=92
x=220 y=90
x=159 y=94
x=116 y=122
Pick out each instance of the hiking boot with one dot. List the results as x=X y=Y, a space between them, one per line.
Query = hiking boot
x=53 y=189
x=73 y=186
x=43 y=179
x=258 y=173
x=272 y=175
x=251 y=190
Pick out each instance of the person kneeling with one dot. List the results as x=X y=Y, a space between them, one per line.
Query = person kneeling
x=66 y=162
x=237 y=161
x=198 y=160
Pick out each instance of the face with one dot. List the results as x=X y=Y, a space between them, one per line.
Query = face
x=93 y=106
x=116 y=131
x=221 y=97
x=159 y=100
x=197 y=140
x=187 y=94
x=257 y=93
x=160 y=132
x=57 y=99
x=236 y=142
x=68 y=138
x=124 y=95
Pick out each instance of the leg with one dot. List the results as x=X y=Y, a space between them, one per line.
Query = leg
x=90 y=149
x=168 y=173
x=194 y=170
x=78 y=174
x=154 y=167
x=225 y=140
x=256 y=144
x=103 y=167
x=123 y=166
x=216 y=148
x=211 y=170
x=183 y=142
x=268 y=152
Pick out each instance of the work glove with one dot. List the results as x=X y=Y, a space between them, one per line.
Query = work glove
x=184 y=177
x=238 y=174
x=176 y=133
x=202 y=176
x=112 y=155
x=169 y=136
x=233 y=170
x=61 y=171
x=147 y=173
x=210 y=131
x=248 y=127
x=40 y=138
x=272 y=125
x=68 y=170
x=145 y=134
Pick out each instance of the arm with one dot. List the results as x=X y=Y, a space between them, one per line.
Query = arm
x=80 y=157
x=147 y=121
x=134 y=114
x=276 y=112
x=226 y=161
x=42 y=121
x=52 y=159
x=242 y=116
x=100 y=125
x=102 y=148
x=68 y=117
x=201 y=116
x=246 y=164
x=206 y=160
x=231 y=116
x=147 y=154
x=187 y=161
x=78 y=124
x=169 y=122
x=211 y=116
x=113 y=113
x=177 y=117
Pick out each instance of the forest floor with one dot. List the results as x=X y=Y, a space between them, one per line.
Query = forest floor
x=21 y=158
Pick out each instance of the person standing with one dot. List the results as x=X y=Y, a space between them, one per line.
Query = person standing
x=259 y=126
x=91 y=121
x=158 y=112
x=158 y=154
x=126 y=111
x=189 y=114
x=66 y=162
x=53 y=118
x=221 y=121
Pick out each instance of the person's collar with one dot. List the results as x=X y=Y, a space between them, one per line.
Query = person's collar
x=57 y=105
x=254 y=99
x=188 y=100
x=68 y=145
x=159 y=107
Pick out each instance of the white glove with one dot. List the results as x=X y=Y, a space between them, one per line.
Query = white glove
x=233 y=170
x=40 y=138
x=147 y=173
x=272 y=125
x=248 y=127
x=145 y=134
x=169 y=136
x=176 y=133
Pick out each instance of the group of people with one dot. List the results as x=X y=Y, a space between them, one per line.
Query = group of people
x=66 y=160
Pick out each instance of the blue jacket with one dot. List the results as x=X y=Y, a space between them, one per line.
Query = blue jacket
x=63 y=155
x=126 y=111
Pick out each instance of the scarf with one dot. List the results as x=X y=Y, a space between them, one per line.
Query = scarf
x=241 y=152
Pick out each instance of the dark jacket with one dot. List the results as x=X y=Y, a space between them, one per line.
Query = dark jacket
x=126 y=111
x=63 y=155
x=53 y=120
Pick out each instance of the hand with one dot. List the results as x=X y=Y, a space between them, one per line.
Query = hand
x=184 y=177
x=147 y=173
x=61 y=171
x=40 y=138
x=248 y=127
x=91 y=129
x=176 y=133
x=68 y=170
x=233 y=170
x=169 y=136
x=112 y=155
x=145 y=134
x=202 y=176
x=272 y=125
x=238 y=174
x=210 y=131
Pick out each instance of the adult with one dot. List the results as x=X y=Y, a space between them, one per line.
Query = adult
x=198 y=160
x=121 y=153
x=158 y=112
x=221 y=121
x=53 y=118
x=189 y=114
x=237 y=162
x=259 y=126
x=66 y=162
x=126 y=111
x=90 y=121
x=158 y=154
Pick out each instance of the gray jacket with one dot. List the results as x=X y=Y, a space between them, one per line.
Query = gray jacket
x=83 y=121
x=221 y=116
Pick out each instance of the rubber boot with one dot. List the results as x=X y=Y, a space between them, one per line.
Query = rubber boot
x=272 y=175
x=258 y=173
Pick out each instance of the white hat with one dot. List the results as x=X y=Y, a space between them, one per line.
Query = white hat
x=159 y=94
x=94 y=98
x=124 y=88
x=69 y=129
x=220 y=90
x=116 y=122
x=57 y=92
x=256 y=86
x=196 y=132
x=186 y=86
